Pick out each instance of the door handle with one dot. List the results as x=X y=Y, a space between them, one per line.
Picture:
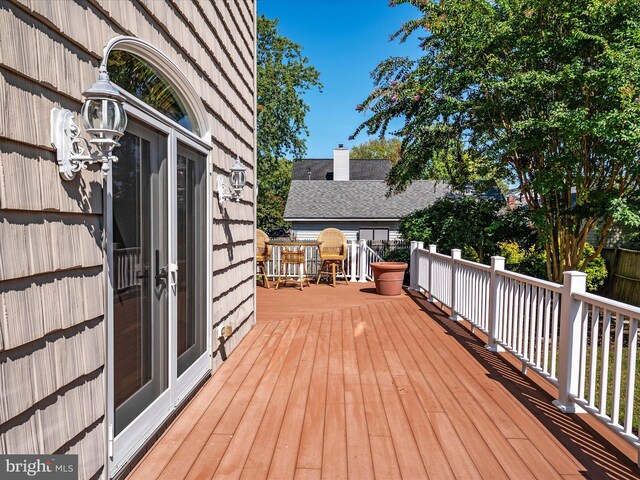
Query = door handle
x=161 y=273
x=173 y=272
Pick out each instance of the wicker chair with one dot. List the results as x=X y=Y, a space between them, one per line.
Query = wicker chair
x=333 y=253
x=263 y=254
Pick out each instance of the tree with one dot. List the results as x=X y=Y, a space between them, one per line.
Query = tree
x=546 y=90
x=474 y=225
x=378 y=148
x=272 y=195
x=284 y=76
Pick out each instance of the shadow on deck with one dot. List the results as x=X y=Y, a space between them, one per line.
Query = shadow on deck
x=343 y=383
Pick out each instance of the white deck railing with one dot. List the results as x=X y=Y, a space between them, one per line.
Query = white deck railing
x=357 y=264
x=127 y=267
x=584 y=344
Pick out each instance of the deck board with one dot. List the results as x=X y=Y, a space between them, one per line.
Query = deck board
x=340 y=383
x=283 y=464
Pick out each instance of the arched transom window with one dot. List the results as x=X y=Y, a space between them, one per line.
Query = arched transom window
x=143 y=81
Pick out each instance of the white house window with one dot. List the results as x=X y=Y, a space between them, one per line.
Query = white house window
x=381 y=234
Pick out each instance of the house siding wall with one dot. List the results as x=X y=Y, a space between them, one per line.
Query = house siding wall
x=351 y=230
x=52 y=280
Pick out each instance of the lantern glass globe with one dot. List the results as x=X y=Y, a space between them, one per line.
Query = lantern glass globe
x=104 y=118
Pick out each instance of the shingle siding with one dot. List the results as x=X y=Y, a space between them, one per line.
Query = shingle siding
x=51 y=258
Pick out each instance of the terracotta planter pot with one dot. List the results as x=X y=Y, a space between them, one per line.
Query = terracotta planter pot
x=388 y=277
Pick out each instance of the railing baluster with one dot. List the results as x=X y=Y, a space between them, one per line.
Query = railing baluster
x=595 y=328
x=604 y=375
x=547 y=328
x=617 y=369
x=532 y=324
x=554 y=338
x=632 y=346
x=584 y=325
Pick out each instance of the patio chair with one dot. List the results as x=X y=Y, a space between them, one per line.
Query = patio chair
x=263 y=255
x=333 y=253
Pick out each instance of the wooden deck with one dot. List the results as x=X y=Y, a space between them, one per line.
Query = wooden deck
x=342 y=383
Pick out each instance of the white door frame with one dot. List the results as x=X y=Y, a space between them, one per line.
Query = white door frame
x=123 y=447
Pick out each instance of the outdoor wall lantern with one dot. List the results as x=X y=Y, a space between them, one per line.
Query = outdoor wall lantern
x=232 y=189
x=104 y=119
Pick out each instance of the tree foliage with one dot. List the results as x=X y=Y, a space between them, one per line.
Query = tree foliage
x=388 y=148
x=284 y=76
x=473 y=225
x=546 y=90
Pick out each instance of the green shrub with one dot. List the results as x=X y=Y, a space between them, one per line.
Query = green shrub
x=398 y=255
x=596 y=270
x=468 y=253
x=513 y=255
x=534 y=264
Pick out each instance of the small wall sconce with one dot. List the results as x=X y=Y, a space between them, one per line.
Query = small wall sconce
x=232 y=189
x=103 y=117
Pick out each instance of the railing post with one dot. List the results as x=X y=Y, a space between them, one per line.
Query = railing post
x=413 y=265
x=419 y=273
x=456 y=254
x=353 y=260
x=362 y=275
x=569 y=342
x=432 y=250
x=497 y=263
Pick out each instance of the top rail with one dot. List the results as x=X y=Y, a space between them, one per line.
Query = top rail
x=607 y=303
x=554 y=287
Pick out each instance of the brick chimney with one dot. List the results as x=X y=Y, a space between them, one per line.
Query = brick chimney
x=341 y=163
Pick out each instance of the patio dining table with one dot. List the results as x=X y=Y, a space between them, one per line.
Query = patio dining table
x=293 y=252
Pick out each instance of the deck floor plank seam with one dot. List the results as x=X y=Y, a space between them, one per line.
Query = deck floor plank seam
x=401 y=434
x=458 y=457
x=492 y=402
x=334 y=451
x=431 y=449
x=339 y=383
x=203 y=432
x=156 y=459
x=359 y=454
x=311 y=440
x=489 y=449
x=261 y=453
x=283 y=463
x=470 y=421
x=235 y=457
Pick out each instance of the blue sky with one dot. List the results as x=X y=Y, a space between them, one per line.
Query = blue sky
x=344 y=40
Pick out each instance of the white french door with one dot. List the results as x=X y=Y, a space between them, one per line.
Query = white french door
x=157 y=299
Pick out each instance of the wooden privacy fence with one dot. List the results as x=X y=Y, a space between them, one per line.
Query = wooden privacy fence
x=584 y=344
x=623 y=283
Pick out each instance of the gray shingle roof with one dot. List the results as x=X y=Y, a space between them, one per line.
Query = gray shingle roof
x=322 y=169
x=359 y=199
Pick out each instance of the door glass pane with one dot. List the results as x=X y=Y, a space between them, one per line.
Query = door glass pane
x=191 y=236
x=139 y=249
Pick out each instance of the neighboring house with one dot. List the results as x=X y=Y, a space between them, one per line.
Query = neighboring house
x=352 y=195
x=112 y=287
